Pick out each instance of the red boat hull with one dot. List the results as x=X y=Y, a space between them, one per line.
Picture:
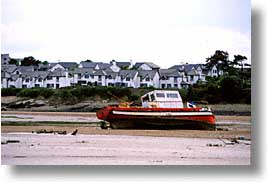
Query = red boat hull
x=157 y=118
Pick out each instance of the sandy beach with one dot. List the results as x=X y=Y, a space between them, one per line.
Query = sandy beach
x=49 y=149
x=94 y=146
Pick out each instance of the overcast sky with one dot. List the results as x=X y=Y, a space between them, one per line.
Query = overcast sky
x=165 y=32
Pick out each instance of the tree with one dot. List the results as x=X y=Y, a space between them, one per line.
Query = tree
x=238 y=60
x=13 y=61
x=219 y=59
x=230 y=87
x=30 y=61
x=87 y=60
x=45 y=62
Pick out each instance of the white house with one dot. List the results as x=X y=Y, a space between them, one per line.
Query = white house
x=57 y=79
x=81 y=76
x=170 y=78
x=149 y=78
x=128 y=78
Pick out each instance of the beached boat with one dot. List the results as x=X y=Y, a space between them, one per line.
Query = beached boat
x=161 y=109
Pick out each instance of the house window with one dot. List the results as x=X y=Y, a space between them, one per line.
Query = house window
x=27 y=80
x=99 y=78
x=49 y=78
x=57 y=85
x=37 y=85
x=80 y=82
x=24 y=86
x=175 y=79
x=143 y=85
x=175 y=85
x=79 y=76
x=162 y=85
x=57 y=79
x=39 y=79
x=147 y=79
x=191 y=78
x=215 y=71
x=50 y=85
x=86 y=76
x=128 y=79
x=118 y=84
x=110 y=84
x=124 y=84
x=169 y=85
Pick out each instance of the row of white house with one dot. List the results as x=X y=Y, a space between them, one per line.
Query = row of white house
x=120 y=74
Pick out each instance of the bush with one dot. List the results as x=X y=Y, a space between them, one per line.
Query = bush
x=10 y=91
x=32 y=93
x=46 y=93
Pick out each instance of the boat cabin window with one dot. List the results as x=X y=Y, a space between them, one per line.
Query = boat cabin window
x=146 y=98
x=171 y=95
x=152 y=97
x=162 y=95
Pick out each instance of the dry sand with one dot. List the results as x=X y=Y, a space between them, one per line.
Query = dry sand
x=50 y=149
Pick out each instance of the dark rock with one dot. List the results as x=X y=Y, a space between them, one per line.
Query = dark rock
x=75 y=132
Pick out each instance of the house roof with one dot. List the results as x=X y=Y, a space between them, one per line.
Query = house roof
x=82 y=71
x=88 y=64
x=150 y=64
x=9 y=68
x=43 y=66
x=23 y=69
x=111 y=73
x=68 y=65
x=99 y=73
x=125 y=73
x=35 y=74
x=104 y=66
x=192 y=73
x=188 y=67
x=178 y=67
x=57 y=72
x=169 y=73
x=147 y=73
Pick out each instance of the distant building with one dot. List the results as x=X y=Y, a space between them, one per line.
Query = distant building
x=5 y=59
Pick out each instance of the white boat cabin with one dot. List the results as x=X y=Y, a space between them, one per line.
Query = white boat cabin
x=162 y=99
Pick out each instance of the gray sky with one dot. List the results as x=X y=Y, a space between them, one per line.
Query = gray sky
x=166 y=32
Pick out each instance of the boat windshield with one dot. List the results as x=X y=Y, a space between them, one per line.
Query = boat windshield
x=162 y=95
x=171 y=95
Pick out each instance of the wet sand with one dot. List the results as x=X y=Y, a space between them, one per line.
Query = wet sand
x=94 y=146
